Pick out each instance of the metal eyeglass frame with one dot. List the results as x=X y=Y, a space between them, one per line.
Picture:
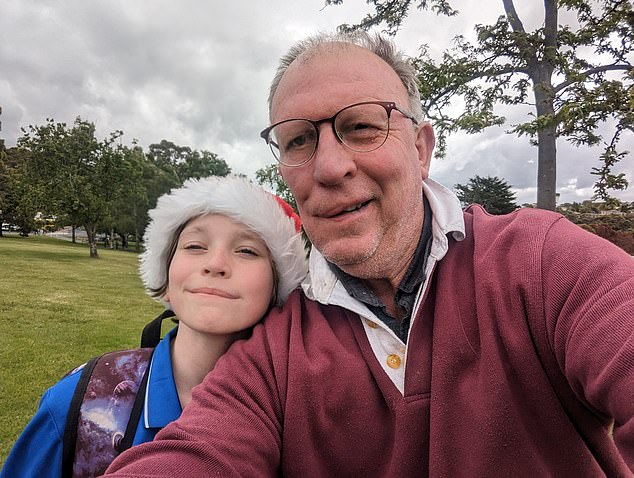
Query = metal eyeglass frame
x=388 y=105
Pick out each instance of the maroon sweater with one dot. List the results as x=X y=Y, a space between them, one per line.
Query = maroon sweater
x=522 y=354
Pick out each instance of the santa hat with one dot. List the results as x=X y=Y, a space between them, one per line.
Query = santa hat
x=237 y=198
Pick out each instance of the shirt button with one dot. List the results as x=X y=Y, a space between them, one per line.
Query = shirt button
x=393 y=361
x=371 y=324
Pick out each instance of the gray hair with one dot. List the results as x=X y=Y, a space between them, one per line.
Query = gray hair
x=377 y=44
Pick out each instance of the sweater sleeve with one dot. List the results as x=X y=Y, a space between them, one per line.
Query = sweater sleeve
x=588 y=287
x=232 y=426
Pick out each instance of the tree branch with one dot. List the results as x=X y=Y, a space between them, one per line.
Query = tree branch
x=590 y=72
x=513 y=18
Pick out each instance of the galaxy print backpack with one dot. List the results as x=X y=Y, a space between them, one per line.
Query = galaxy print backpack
x=106 y=406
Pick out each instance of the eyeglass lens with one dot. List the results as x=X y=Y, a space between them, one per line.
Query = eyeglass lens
x=362 y=128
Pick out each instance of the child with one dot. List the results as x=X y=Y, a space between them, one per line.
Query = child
x=219 y=252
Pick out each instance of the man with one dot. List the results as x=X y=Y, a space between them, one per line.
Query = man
x=436 y=343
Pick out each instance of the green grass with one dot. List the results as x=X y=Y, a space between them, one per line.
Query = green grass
x=59 y=308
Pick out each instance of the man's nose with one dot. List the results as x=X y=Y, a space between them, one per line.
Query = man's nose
x=333 y=161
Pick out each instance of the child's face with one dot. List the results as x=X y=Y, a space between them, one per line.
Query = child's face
x=220 y=278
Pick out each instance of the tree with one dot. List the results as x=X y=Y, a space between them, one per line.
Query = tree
x=579 y=77
x=200 y=164
x=76 y=172
x=19 y=199
x=492 y=193
x=181 y=162
x=269 y=176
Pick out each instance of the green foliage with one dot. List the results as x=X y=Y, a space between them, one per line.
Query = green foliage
x=58 y=309
x=575 y=78
x=270 y=177
x=492 y=193
x=181 y=162
x=608 y=181
x=202 y=164
x=77 y=174
x=393 y=12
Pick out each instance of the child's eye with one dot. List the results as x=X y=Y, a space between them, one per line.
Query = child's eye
x=248 y=251
x=194 y=247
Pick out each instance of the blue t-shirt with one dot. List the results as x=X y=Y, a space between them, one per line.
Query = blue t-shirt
x=38 y=450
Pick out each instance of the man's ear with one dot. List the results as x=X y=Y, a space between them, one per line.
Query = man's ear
x=425 y=142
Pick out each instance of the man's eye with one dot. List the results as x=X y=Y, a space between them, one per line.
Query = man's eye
x=361 y=133
x=361 y=126
x=300 y=141
x=296 y=142
x=357 y=127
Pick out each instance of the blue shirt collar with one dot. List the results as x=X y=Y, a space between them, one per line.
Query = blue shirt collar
x=161 y=399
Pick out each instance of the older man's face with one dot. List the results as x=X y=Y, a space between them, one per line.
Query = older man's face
x=363 y=211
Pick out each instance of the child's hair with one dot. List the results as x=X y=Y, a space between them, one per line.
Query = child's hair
x=237 y=198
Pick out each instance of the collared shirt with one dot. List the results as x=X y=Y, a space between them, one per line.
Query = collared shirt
x=162 y=405
x=322 y=285
x=407 y=289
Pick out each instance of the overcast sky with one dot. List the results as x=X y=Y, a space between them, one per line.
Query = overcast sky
x=197 y=73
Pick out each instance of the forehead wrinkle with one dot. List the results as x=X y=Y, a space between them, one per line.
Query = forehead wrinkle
x=294 y=93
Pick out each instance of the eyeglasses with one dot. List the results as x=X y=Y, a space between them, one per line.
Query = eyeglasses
x=362 y=127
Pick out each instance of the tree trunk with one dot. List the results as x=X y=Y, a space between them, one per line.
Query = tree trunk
x=546 y=144
x=91 y=232
x=72 y=231
x=137 y=239
x=547 y=169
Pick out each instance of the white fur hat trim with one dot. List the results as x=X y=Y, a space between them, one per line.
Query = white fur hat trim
x=242 y=201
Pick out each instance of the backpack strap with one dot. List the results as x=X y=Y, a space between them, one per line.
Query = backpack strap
x=72 y=419
x=151 y=335
x=135 y=414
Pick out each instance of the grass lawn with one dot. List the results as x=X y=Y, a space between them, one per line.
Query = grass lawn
x=59 y=308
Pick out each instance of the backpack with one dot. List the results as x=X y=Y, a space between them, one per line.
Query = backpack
x=106 y=406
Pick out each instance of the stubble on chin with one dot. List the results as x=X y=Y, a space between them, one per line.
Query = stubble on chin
x=354 y=257
x=386 y=256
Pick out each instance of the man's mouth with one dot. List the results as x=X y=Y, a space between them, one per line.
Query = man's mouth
x=350 y=209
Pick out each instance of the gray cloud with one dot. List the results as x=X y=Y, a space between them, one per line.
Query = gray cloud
x=197 y=73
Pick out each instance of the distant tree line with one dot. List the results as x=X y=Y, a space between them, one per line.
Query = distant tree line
x=66 y=173
x=614 y=222
x=60 y=175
